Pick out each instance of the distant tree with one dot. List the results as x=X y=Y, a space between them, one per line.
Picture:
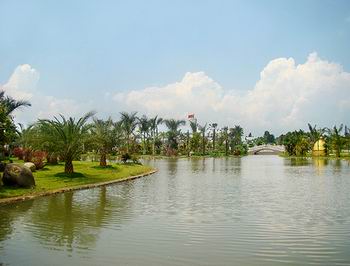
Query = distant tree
x=226 y=139
x=173 y=131
x=154 y=123
x=144 y=127
x=269 y=138
x=203 y=130
x=128 y=124
x=194 y=126
x=214 y=126
x=315 y=134
x=296 y=143
x=337 y=141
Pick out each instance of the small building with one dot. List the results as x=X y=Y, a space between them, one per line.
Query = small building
x=319 y=148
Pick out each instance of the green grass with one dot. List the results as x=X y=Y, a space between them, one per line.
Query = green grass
x=343 y=155
x=52 y=177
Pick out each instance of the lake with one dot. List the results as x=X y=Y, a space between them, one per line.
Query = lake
x=255 y=210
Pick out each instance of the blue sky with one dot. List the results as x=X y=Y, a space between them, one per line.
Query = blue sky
x=85 y=49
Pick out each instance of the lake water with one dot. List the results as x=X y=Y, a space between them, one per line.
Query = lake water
x=255 y=210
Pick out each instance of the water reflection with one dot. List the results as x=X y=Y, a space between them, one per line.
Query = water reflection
x=255 y=210
x=9 y=215
x=299 y=161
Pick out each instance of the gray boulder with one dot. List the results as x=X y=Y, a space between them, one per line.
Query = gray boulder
x=31 y=166
x=17 y=175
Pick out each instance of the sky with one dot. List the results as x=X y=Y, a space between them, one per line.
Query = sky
x=266 y=65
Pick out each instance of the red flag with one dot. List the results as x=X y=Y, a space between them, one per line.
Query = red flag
x=190 y=116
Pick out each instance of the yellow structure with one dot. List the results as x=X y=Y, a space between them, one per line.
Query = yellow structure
x=319 y=148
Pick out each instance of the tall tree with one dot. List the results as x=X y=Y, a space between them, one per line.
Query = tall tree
x=203 y=129
x=144 y=127
x=128 y=124
x=154 y=123
x=315 y=134
x=214 y=126
x=336 y=139
x=173 y=131
x=67 y=135
x=103 y=135
x=194 y=125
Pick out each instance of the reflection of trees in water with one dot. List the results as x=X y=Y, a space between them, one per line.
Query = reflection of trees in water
x=73 y=223
x=233 y=165
x=299 y=161
x=198 y=164
x=9 y=214
x=172 y=166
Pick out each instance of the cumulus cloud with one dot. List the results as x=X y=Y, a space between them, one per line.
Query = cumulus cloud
x=23 y=84
x=287 y=96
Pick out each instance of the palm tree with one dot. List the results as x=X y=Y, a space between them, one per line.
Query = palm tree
x=173 y=131
x=225 y=135
x=235 y=136
x=7 y=127
x=154 y=123
x=128 y=123
x=9 y=105
x=336 y=139
x=67 y=135
x=194 y=126
x=315 y=134
x=203 y=130
x=103 y=135
x=213 y=126
x=144 y=127
x=347 y=137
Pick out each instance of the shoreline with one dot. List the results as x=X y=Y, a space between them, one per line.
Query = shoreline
x=345 y=158
x=6 y=201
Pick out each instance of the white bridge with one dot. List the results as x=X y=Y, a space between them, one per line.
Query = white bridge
x=268 y=148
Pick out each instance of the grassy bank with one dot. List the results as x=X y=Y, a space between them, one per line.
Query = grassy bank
x=52 y=177
x=343 y=156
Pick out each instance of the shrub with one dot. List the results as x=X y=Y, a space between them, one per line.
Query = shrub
x=135 y=159
x=18 y=152
x=27 y=155
x=38 y=159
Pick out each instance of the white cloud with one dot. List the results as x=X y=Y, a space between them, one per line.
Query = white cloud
x=23 y=84
x=287 y=96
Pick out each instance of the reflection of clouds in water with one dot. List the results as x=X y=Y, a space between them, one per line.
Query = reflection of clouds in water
x=250 y=210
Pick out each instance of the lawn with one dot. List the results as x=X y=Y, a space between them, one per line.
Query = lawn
x=52 y=177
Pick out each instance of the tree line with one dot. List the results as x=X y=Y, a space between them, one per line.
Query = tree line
x=335 y=140
x=66 y=139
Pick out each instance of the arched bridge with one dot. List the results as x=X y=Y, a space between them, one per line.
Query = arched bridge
x=271 y=149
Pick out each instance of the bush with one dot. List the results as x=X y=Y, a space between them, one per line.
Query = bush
x=27 y=155
x=38 y=159
x=135 y=159
x=18 y=152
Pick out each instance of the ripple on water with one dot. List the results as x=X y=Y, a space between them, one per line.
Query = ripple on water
x=256 y=210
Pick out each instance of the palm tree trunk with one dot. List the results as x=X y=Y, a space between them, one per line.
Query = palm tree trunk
x=144 y=144
x=103 y=159
x=214 y=140
x=154 y=144
x=203 y=143
x=68 y=167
